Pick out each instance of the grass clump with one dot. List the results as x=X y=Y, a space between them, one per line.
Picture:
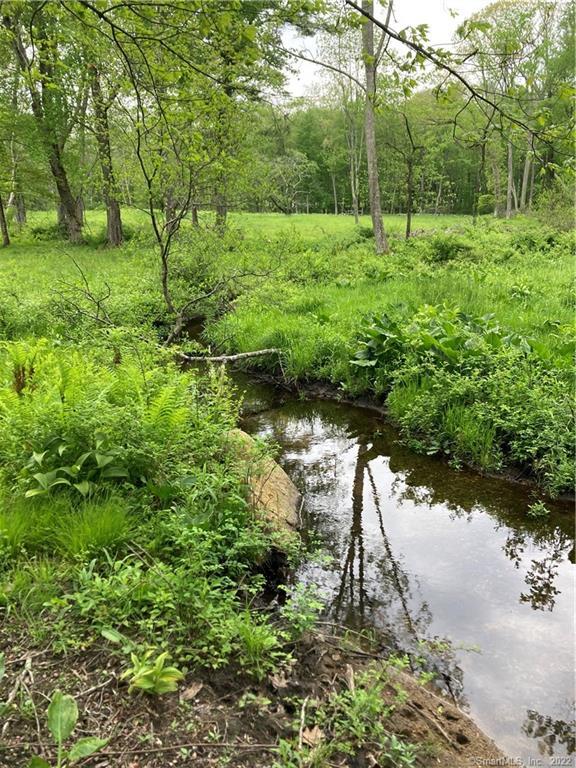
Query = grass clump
x=346 y=724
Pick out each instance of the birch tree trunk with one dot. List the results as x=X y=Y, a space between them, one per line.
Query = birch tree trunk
x=334 y=192
x=438 y=198
x=526 y=176
x=409 y=196
x=531 y=195
x=16 y=198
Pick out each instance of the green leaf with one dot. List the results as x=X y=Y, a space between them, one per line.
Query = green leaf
x=35 y=492
x=113 y=635
x=102 y=459
x=83 y=487
x=85 y=747
x=39 y=457
x=2 y=666
x=81 y=459
x=60 y=481
x=114 y=472
x=62 y=716
x=38 y=762
x=42 y=479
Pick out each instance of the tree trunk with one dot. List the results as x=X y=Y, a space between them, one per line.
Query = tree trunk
x=42 y=103
x=127 y=192
x=421 y=200
x=334 y=192
x=526 y=176
x=16 y=198
x=170 y=212
x=438 y=198
x=510 y=186
x=354 y=189
x=194 y=213
x=16 y=201
x=114 y=233
x=409 y=195
x=4 y=226
x=497 y=190
x=531 y=195
x=380 y=240
x=71 y=222
x=221 y=211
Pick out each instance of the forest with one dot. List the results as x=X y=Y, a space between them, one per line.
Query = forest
x=287 y=343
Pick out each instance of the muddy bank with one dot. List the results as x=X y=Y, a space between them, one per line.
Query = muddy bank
x=222 y=717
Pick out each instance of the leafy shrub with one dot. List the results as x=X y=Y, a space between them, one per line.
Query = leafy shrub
x=85 y=424
x=365 y=233
x=437 y=334
x=152 y=674
x=445 y=247
x=467 y=387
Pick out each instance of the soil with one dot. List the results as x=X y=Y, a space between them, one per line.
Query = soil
x=218 y=717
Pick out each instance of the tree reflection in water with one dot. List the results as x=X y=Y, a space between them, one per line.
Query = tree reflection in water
x=542 y=573
x=406 y=626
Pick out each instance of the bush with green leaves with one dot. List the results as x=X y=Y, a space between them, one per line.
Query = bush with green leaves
x=120 y=490
x=472 y=389
x=152 y=674
x=338 y=728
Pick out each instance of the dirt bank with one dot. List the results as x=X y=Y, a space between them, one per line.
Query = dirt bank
x=218 y=717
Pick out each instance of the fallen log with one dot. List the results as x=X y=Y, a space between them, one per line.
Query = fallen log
x=228 y=358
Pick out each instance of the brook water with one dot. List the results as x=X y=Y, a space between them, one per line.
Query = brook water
x=444 y=564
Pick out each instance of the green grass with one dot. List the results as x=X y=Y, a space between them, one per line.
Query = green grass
x=55 y=526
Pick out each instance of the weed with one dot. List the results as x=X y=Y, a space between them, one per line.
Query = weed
x=62 y=717
x=538 y=510
x=151 y=673
x=346 y=722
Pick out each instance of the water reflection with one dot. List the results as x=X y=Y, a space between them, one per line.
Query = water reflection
x=552 y=736
x=439 y=561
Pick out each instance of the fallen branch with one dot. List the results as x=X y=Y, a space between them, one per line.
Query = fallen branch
x=228 y=358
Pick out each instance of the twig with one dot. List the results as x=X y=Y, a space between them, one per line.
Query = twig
x=190 y=744
x=302 y=722
x=16 y=687
x=435 y=724
x=96 y=687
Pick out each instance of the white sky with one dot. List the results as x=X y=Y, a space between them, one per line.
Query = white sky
x=435 y=13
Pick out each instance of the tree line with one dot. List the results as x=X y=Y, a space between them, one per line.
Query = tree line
x=176 y=107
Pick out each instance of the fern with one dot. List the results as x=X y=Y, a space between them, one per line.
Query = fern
x=167 y=413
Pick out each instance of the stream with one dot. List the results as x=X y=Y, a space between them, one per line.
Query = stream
x=443 y=564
